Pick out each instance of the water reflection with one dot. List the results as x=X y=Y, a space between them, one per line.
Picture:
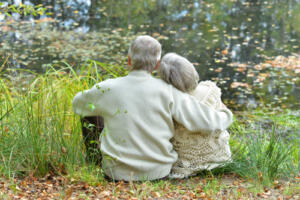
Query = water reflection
x=212 y=34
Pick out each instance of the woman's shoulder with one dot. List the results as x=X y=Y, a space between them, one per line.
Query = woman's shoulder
x=207 y=88
x=211 y=85
x=209 y=93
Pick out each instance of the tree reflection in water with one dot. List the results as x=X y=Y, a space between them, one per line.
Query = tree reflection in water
x=225 y=39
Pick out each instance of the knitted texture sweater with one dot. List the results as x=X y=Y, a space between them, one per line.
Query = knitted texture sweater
x=138 y=112
x=197 y=150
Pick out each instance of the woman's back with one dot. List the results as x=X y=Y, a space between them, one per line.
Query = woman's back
x=199 y=151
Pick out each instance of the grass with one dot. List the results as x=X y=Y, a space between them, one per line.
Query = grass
x=263 y=154
x=40 y=135
x=39 y=132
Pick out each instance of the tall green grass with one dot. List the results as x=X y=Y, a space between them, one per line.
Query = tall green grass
x=264 y=153
x=40 y=134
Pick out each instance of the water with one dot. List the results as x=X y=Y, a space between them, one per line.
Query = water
x=226 y=40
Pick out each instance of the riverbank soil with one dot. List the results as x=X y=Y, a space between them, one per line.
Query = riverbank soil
x=228 y=186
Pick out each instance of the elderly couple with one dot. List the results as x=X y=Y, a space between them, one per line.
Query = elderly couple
x=158 y=127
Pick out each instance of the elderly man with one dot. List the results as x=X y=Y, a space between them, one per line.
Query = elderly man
x=138 y=112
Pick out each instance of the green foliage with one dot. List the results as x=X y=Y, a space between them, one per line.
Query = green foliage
x=38 y=129
x=90 y=174
x=262 y=152
x=22 y=9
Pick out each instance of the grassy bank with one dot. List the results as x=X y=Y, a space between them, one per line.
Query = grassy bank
x=41 y=136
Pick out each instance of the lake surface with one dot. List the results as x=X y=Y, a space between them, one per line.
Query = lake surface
x=237 y=43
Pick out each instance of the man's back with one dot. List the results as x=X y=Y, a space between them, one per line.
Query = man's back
x=138 y=127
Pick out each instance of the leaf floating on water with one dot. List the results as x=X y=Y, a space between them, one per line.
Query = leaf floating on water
x=219 y=61
x=241 y=69
x=225 y=52
x=5 y=28
x=155 y=34
x=250 y=75
x=184 y=28
x=239 y=84
x=47 y=19
x=219 y=69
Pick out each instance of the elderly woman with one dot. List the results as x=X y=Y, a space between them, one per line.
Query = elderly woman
x=138 y=112
x=196 y=150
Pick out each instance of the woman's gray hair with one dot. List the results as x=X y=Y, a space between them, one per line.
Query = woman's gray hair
x=178 y=71
x=145 y=52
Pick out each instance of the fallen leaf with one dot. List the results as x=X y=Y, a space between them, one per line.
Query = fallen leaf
x=225 y=52
x=69 y=192
x=156 y=194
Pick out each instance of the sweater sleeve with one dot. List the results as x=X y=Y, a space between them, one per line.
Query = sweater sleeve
x=208 y=93
x=85 y=103
x=196 y=116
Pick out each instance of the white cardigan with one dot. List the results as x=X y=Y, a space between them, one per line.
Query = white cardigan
x=198 y=151
x=138 y=112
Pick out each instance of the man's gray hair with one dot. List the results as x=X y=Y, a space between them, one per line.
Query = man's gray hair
x=145 y=53
x=178 y=71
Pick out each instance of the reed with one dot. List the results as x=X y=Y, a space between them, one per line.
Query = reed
x=38 y=130
x=263 y=154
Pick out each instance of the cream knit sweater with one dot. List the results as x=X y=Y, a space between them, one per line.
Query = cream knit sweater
x=201 y=151
x=138 y=112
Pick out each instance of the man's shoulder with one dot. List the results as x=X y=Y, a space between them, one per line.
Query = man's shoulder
x=109 y=82
x=157 y=83
x=161 y=82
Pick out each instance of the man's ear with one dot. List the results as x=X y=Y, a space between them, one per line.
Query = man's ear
x=157 y=65
x=129 y=61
